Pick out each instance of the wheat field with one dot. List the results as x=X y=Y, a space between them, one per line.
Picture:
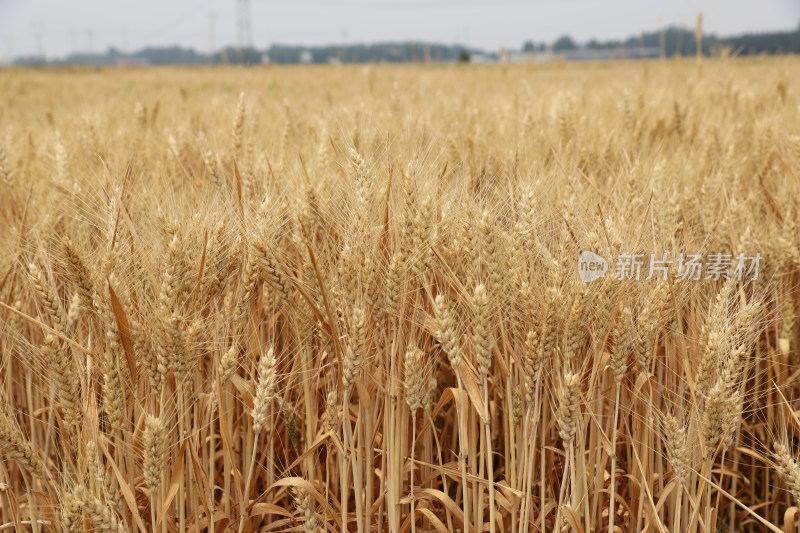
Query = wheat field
x=349 y=299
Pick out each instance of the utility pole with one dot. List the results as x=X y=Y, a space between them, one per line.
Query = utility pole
x=698 y=37
x=74 y=34
x=10 y=48
x=211 y=28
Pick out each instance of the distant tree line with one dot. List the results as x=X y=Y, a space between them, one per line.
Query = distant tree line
x=361 y=53
x=277 y=53
x=677 y=41
x=682 y=41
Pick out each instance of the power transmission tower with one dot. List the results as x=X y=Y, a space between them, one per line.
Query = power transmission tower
x=38 y=36
x=244 y=24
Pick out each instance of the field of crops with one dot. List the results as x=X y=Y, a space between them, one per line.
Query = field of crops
x=401 y=298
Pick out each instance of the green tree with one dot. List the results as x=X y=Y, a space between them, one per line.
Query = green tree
x=564 y=42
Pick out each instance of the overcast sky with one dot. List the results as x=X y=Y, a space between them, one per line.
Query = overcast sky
x=60 y=27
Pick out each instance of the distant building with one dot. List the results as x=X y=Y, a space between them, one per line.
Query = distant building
x=605 y=54
x=582 y=54
x=518 y=57
x=479 y=58
x=306 y=57
x=544 y=57
x=131 y=62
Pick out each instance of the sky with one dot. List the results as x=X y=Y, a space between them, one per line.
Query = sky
x=59 y=27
